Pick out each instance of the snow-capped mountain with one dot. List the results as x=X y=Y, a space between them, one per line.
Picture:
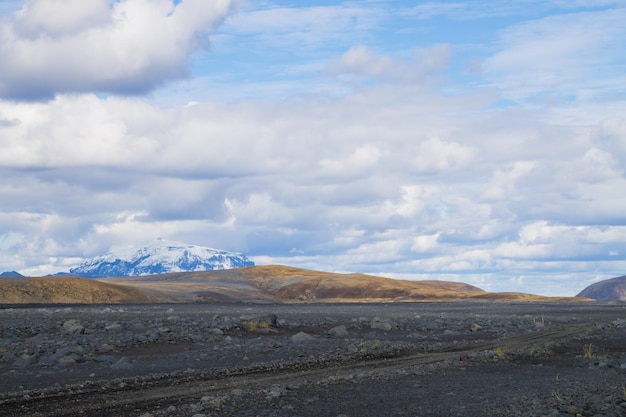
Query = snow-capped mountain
x=159 y=257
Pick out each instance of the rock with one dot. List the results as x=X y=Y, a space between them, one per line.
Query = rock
x=73 y=327
x=66 y=360
x=619 y=323
x=301 y=337
x=475 y=327
x=113 y=327
x=381 y=324
x=339 y=331
x=25 y=360
x=137 y=327
x=275 y=391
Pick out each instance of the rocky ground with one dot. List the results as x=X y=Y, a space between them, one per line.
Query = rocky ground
x=403 y=359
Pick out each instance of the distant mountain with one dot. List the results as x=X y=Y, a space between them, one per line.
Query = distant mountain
x=160 y=256
x=613 y=289
x=11 y=274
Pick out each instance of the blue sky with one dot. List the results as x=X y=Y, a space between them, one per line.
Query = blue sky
x=477 y=141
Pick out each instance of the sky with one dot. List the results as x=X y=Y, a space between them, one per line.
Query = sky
x=476 y=141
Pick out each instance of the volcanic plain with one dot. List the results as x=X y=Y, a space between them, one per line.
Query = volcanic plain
x=289 y=342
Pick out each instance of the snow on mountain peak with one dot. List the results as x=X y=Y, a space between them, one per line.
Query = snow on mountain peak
x=160 y=256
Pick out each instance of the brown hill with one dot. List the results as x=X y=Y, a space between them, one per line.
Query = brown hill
x=68 y=290
x=296 y=284
x=613 y=289
x=524 y=297
x=270 y=283
x=277 y=283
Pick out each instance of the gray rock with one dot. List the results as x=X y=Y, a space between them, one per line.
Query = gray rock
x=275 y=391
x=25 y=360
x=73 y=327
x=381 y=324
x=339 y=331
x=113 y=327
x=301 y=337
x=475 y=327
x=66 y=360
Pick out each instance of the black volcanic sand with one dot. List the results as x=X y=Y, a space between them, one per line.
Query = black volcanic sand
x=413 y=359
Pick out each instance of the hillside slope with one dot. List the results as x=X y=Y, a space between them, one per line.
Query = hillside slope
x=69 y=290
x=613 y=289
x=277 y=283
x=270 y=283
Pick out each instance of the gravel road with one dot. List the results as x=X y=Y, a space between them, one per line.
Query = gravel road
x=402 y=359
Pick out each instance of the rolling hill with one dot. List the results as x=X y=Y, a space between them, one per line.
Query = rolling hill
x=265 y=284
x=69 y=290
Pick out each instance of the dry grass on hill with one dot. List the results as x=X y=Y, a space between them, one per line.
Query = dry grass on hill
x=296 y=284
x=69 y=290
x=269 y=283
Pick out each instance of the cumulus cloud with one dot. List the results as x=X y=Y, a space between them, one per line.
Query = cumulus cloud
x=366 y=166
x=125 y=47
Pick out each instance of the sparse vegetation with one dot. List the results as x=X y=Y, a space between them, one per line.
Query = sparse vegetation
x=588 y=351
x=254 y=326
x=499 y=353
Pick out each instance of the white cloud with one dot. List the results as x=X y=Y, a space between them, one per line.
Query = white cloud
x=125 y=47
x=363 y=61
x=58 y=18
x=435 y=155
x=425 y=243
x=561 y=56
x=356 y=158
x=362 y=159
x=503 y=181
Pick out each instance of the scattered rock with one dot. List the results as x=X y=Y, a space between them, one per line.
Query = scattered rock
x=339 y=331
x=73 y=327
x=475 y=327
x=25 y=360
x=380 y=323
x=301 y=337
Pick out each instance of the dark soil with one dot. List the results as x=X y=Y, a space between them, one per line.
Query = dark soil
x=404 y=359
